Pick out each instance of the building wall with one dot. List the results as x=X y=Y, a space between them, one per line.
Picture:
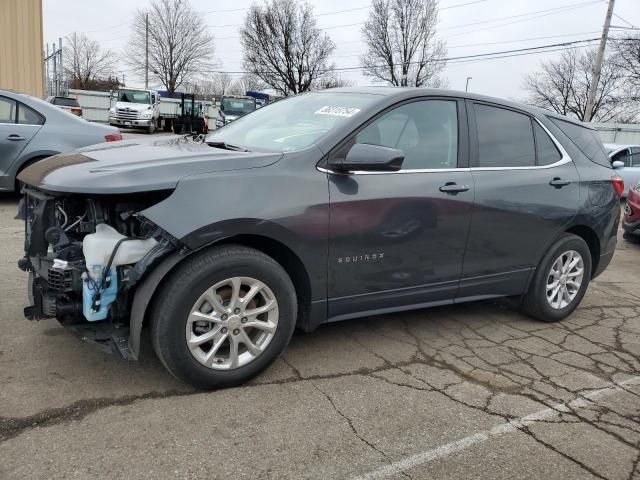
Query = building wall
x=21 y=56
x=618 y=133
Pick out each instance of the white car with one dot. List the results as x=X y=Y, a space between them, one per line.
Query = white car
x=629 y=155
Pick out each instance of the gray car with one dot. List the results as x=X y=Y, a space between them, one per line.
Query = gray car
x=629 y=155
x=32 y=129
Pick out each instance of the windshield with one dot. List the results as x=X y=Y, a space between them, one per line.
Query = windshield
x=238 y=106
x=293 y=123
x=134 y=96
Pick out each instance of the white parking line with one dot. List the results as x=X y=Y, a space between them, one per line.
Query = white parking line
x=510 y=427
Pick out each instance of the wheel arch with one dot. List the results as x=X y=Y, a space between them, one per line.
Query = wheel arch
x=590 y=237
x=280 y=252
x=28 y=160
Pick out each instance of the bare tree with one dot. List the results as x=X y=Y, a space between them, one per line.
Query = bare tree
x=252 y=83
x=284 y=47
x=562 y=86
x=85 y=62
x=333 y=81
x=180 y=46
x=402 y=47
x=224 y=84
x=627 y=58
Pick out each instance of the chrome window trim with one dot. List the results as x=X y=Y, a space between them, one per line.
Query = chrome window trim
x=565 y=158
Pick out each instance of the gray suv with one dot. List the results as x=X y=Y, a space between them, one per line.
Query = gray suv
x=32 y=129
x=321 y=207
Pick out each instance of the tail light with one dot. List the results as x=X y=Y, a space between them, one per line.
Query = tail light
x=618 y=185
x=76 y=111
x=113 y=137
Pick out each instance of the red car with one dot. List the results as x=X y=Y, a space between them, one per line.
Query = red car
x=631 y=222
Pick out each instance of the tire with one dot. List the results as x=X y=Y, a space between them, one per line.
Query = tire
x=631 y=237
x=536 y=303
x=152 y=127
x=192 y=280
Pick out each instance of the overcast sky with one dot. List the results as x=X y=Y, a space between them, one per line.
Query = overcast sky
x=478 y=27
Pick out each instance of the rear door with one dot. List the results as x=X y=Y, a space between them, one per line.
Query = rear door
x=18 y=125
x=527 y=190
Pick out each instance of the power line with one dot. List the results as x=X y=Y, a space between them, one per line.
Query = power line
x=625 y=21
x=512 y=52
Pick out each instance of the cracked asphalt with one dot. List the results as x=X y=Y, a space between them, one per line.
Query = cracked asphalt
x=475 y=390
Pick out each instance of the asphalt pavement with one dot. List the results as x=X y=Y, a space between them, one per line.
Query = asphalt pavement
x=468 y=391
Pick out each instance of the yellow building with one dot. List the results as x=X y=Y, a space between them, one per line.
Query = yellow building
x=21 y=55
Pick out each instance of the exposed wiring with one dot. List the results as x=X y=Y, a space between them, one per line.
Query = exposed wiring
x=74 y=223
x=64 y=214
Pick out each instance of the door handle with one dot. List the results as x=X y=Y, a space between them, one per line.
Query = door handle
x=558 y=182
x=15 y=137
x=453 y=188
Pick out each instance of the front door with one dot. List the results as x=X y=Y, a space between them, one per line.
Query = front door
x=527 y=191
x=18 y=125
x=398 y=239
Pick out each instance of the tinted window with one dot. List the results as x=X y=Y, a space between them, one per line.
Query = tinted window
x=7 y=110
x=622 y=156
x=547 y=151
x=28 y=116
x=505 y=138
x=586 y=140
x=66 y=102
x=426 y=131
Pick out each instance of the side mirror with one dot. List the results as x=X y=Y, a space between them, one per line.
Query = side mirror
x=373 y=158
x=617 y=164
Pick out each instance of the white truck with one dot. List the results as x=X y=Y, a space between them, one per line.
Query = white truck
x=135 y=109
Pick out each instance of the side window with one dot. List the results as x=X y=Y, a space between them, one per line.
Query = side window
x=505 y=138
x=546 y=150
x=7 y=110
x=426 y=131
x=586 y=139
x=28 y=116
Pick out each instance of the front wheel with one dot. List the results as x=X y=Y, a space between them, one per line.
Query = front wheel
x=560 y=281
x=223 y=317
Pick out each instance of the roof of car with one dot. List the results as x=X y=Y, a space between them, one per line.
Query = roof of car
x=408 y=92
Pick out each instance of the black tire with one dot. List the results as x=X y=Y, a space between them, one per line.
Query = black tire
x=631 y=237
x=535 y=301
x=152 y=127
x=182 y=289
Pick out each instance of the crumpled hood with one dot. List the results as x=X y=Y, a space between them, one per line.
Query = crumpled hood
x=136 y=166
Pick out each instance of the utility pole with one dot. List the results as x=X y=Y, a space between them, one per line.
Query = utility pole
x=597 y=67
x=146 y=57
x=466 y=87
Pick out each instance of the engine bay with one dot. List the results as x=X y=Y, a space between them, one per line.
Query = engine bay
x=85 y=254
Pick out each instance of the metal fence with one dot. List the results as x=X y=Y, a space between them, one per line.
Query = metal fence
x=620 y=133
x=54 y=79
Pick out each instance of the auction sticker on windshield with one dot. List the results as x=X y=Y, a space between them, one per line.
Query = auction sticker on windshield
x=337 y=111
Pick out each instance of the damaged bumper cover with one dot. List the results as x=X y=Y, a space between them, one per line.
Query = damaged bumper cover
x=56 y=226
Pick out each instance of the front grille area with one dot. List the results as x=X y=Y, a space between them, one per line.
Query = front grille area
x=127 y=114
x=59 y=279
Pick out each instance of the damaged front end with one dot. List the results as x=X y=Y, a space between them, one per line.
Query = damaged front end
x=85 y=255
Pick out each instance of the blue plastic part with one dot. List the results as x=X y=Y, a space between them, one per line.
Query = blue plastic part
x=96 y=308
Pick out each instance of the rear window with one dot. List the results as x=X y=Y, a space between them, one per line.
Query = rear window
x=586 y=140
x=66 y=102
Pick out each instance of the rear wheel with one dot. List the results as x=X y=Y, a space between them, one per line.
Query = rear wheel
x=560 y=281
x=223 y=317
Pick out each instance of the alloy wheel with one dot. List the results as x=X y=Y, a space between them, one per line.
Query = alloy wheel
x=232 y=323
x=565 y=279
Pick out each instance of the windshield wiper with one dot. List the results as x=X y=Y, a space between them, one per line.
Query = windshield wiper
x=227 y=146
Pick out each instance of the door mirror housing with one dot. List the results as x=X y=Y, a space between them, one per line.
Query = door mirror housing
x=617 y=164
x=371 y=158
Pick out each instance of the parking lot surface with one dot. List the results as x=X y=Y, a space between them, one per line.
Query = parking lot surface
x=468 y=391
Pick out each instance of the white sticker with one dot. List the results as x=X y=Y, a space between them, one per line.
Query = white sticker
x=337 y=111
